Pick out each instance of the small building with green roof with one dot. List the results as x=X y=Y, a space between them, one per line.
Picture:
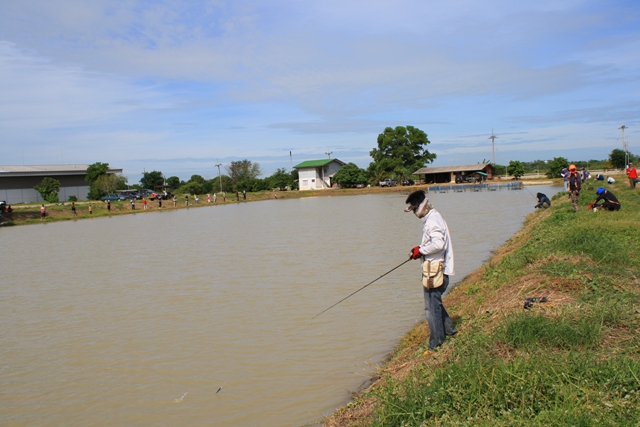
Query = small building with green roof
x=317 y=174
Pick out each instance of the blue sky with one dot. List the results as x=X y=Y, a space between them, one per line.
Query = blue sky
x=179 y=86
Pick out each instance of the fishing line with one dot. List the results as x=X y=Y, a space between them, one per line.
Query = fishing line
x=525 y=187
x=297 y=331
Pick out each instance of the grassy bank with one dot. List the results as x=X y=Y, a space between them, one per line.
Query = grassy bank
x=30 y=213
x=571 y=361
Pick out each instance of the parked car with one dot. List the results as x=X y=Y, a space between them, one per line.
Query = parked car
x=130 y=194
x=408 y=182
x=388 y=183
x=113 y=197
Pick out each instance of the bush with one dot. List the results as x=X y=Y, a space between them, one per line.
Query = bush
x=73 y=199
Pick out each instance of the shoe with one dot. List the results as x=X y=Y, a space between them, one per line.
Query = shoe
x=429 y=353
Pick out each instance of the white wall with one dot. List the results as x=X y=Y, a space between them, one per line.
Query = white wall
x=30 y=195
x=308 y=178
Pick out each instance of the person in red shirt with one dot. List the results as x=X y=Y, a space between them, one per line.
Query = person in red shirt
x=632 y=173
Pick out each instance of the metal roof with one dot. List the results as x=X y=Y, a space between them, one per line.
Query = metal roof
x=444 y=169
x=317 y=163
x=43 y=170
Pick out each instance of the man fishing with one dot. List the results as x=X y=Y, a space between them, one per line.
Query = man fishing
x=543 y=201
x=436 y=255
x=610 y=202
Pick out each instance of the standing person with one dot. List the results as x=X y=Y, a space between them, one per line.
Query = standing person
x=195 y=196
x=610 y=202
x=73 y=208
x=109 y=205
x=574 y=187
x=175 y=201
x=632 y=173
x=144 y=203
x=160 y=202
x=186 y=198
x=585 y=174
x=237 y=196
x=43 y=212
x=90 y=210
x=565 y=176
x=215 y=198
x=244 y=194
x=436 y=253
x=208 y=198
x=543 y=201
x=224 y=196
x=133 y=203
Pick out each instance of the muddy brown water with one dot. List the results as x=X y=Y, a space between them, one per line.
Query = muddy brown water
x=203 y=316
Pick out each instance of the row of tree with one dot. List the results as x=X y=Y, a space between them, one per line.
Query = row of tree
x=241 y=175
x=552 y=169
x=400 y=152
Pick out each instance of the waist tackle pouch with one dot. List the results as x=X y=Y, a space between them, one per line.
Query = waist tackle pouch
x=432 y=274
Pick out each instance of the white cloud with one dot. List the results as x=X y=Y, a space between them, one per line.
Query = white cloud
x=186 y=79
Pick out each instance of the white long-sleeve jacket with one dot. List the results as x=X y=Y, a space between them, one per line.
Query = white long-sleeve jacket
x=436 y=242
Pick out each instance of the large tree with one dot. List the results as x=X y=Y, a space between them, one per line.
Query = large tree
x=110 y=183
x=94 y=172
x=400 y=150
x=516 y=169
x=280 y=179
x=556 y=165
x=618 y=158
x=151 y=180
x=48 y=189
x=350 y=175
x=197 y=178
x=243 y=169
x=227 y=185
x=173 y=182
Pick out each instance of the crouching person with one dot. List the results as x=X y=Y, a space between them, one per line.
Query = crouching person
x=609 y=201
x=543 y=201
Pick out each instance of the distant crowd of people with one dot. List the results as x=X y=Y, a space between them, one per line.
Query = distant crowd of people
x=573 y=184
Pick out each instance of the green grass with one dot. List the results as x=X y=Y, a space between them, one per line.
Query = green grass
x=542 y=389
x=575 y=364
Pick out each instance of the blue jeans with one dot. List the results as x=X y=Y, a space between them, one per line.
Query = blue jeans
x=440 y=324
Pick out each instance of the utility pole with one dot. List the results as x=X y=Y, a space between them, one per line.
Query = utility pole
x=290 y=162
x=493 y=153
x=328 y=153
x=219 y=176
x=624 y=144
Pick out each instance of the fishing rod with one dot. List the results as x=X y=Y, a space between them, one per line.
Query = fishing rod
x=353 y=293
